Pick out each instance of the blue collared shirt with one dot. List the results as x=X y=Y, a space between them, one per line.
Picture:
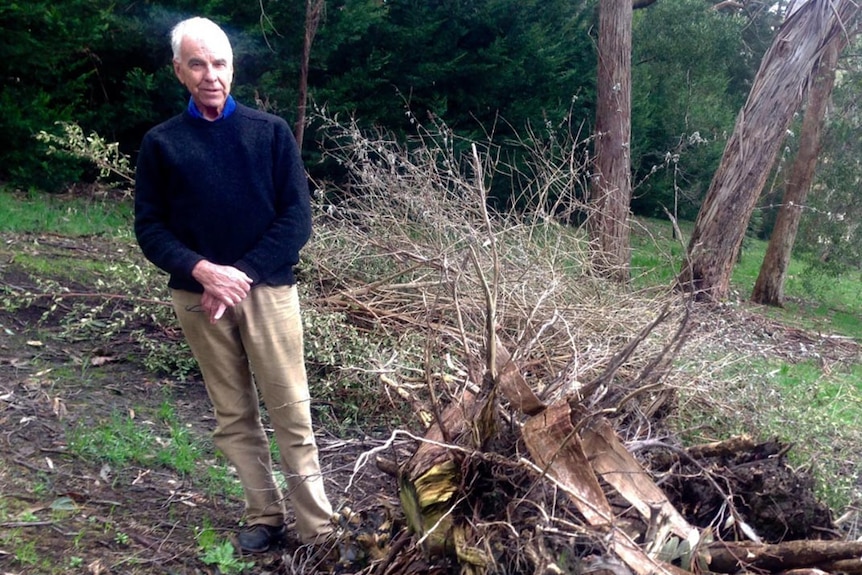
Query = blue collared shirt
x=229 y=107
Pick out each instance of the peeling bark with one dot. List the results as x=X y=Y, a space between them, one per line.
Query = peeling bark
x=777 y=93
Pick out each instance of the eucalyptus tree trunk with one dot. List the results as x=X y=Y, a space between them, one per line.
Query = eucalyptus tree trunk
x=769 y=288
x=777 y=93
x=611 y=185
x=313 y=9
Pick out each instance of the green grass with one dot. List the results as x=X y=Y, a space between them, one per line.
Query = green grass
x=57 y=266
x=815 y=300
x=656 y=254
x=123 y=440
x=62 y=214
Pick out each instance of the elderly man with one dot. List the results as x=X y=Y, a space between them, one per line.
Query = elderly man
x=222 y=205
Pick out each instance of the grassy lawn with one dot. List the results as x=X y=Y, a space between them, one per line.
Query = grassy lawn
x=64 y=214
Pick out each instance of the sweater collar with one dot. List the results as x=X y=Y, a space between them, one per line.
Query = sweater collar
x=229 y=107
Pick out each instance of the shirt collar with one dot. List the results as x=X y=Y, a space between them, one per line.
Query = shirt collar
x=229 y=107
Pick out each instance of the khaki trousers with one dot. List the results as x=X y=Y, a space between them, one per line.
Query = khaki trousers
x=260 y=342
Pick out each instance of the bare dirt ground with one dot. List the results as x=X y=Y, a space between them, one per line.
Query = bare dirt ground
x=59 y=514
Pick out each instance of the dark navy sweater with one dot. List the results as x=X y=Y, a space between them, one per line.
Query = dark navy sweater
x=233 y=191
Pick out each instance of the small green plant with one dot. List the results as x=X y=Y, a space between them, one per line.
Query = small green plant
x=41 y=486
x=183 y=451
x=75 y=562
x=26 y=553
x=121 y=538
x=220 y=480
x=219 y=552
x=28 y=517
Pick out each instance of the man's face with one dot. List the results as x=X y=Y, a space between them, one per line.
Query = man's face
x=205 y=69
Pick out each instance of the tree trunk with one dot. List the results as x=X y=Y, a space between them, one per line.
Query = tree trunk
x=611 y=185
x=313 y=9
x=769 y=288
x=777 y=93
x=730 y=557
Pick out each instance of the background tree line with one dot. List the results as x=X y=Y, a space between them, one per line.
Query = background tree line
x=484 y=68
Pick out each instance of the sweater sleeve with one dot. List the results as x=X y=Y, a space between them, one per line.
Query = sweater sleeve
x=158 y=243
x=280 y=245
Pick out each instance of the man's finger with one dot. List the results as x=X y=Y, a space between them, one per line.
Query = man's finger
x=219 y=312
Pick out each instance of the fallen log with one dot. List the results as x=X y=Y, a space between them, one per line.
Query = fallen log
x=844 y=566
x=730 y=557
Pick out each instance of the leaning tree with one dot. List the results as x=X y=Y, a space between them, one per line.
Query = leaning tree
x=769 y=287
x=777 y=93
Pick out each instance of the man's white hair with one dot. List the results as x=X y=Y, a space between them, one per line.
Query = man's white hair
x=198 y=28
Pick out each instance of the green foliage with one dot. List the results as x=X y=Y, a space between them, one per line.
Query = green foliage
x=829 y=231
x=687 y=87
x=23 y=158
x=467 y=63
x=48 y=62
x=224 y=559
x=219 y=552
x=105 y=156
x=341 y=359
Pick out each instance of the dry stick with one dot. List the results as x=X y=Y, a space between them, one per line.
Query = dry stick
x=459 y=315
x=490 y=295
x=435 y=403
x=668 y=352
x=490 y=313
x=623 y=355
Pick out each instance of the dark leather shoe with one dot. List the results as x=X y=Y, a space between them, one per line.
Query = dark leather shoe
x=260 y=538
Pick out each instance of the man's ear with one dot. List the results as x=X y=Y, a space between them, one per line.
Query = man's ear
x=177 y=70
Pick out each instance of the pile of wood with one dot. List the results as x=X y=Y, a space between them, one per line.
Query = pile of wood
x=503 y=482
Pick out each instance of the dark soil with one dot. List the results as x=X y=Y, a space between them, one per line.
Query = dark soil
x=60 y=513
